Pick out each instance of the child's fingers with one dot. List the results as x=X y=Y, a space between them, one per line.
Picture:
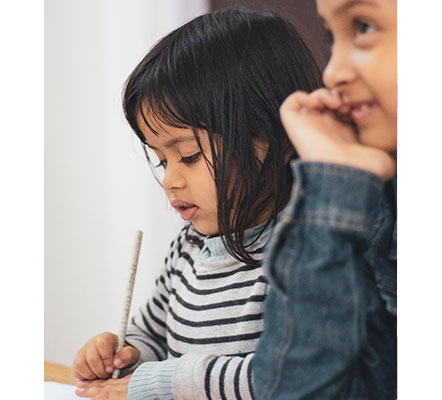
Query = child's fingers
x=106 y=345
x=126 y=356
x=304 y=100
x=93 y=358
x=80 y=368
x=95 y=362
x=317 y=100
x=343 y=109
x=327 y=98
x=321 y=99
x=296 y=101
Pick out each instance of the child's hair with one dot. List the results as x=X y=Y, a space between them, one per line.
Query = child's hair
x=227 y=73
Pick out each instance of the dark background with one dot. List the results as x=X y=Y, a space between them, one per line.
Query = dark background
x=302 y=13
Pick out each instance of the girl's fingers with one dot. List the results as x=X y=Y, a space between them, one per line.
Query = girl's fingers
x=309 y=101
x=94 y=357
x=95 y=362
x=316 y=101
x=104 y=389
x=80 y=368
x=291 y=102
x=127 y=355
x=328 y=99
x=343 y=109
x=108 y=383
x=98 y=383
x=106 y=344
x=111 y=396
x=298 y=100
x=87 y=392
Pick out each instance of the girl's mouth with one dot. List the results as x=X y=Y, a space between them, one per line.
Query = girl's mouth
x=361 y=111
x=187 y=211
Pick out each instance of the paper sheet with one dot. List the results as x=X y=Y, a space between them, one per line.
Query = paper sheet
x=59 y=391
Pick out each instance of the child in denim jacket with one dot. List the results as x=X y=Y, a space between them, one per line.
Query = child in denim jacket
x=330 y=316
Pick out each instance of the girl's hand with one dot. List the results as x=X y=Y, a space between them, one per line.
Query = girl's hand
x=112 y=389
x=96 y=358
x=319 y=127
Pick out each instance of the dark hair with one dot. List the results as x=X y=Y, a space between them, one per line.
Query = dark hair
x=227 y=73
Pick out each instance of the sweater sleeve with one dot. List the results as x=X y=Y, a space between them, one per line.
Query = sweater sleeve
x=152 y=380
x=199 y=376
x=147 y=328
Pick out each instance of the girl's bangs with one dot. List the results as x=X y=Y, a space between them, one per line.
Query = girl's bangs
x=156 y=112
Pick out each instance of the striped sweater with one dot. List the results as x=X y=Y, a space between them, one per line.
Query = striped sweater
x=204 y=318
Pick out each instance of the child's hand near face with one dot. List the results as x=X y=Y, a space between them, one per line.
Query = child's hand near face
x=319 y=127
x=96 y=360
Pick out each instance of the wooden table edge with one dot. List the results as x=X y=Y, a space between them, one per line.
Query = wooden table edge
x=58 y=373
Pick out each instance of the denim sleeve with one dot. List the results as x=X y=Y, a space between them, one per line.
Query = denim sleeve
x=327 y=334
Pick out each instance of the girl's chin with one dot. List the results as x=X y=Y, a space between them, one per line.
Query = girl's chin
x=379 y=137
x=205 y=229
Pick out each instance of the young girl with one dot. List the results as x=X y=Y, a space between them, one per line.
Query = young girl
x=205 y=104
x=330 y=315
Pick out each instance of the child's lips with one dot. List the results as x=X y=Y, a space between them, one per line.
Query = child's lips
x=186 y=210
x=361 y=111
x=188 y=213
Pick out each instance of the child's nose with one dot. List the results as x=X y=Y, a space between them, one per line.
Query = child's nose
x=338 y=71
x=173 y=177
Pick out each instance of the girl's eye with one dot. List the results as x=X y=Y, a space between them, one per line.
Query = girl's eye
x=362 y=27
x=191 y=159
x=162 y=163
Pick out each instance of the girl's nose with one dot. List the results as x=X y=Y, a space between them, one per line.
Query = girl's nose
x=339 y=70
x=173 y=178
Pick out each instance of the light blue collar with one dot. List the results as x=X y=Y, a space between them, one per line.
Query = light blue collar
x=214 y=249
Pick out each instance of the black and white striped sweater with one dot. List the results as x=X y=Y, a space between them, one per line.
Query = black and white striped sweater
x=206 y=315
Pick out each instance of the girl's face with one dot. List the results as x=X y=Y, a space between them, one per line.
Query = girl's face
x=187 y=178
x=362 y=67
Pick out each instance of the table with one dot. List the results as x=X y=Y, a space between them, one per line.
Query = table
x=59 y=373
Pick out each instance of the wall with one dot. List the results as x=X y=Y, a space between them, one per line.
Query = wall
x=98 y=187
x=302 y=13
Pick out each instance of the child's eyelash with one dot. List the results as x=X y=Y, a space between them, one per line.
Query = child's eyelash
x=362 y=27
x=191 y=159
x=185 y=160
x=162 y=163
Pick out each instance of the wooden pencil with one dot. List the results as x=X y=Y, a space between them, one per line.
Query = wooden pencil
x=128 y=299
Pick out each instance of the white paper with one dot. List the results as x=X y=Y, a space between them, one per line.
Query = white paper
x=59 y=391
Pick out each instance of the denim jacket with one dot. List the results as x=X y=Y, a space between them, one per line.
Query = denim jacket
x=330 y=314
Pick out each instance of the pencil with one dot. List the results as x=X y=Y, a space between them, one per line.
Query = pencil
x=128 y=299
